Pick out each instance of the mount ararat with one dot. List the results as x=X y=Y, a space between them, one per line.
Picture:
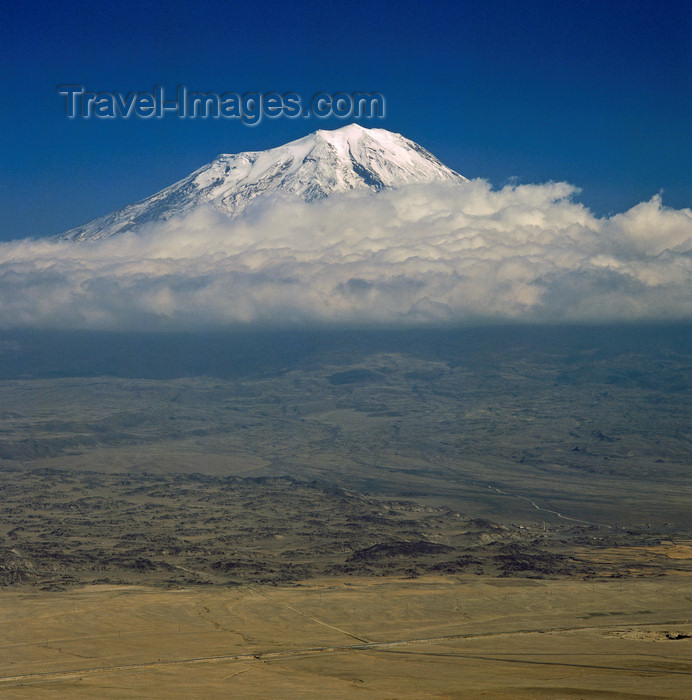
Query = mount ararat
x=356 y=227
x=311 y=168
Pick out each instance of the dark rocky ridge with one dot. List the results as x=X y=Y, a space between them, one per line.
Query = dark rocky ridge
x=60 y=528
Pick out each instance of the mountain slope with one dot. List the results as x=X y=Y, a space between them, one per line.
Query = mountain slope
x=313 y=167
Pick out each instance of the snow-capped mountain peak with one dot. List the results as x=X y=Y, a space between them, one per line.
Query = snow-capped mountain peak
x=313 y=167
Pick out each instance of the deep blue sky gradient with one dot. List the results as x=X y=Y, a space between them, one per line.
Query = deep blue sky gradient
x=595 y=93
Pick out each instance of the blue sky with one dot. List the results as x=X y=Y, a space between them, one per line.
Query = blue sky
x=594 y=93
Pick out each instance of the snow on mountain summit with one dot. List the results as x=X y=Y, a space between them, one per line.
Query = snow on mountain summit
x=312 y=167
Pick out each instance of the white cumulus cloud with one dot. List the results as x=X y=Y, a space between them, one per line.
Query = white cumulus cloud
x=425 y=254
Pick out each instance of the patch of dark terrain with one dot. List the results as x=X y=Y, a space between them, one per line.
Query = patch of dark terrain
x=509 y=424
x=61 y=528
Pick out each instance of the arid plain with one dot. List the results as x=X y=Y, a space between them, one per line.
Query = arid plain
x=488 y=513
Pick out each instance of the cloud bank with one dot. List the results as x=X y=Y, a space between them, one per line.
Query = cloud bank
x=425 y=254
